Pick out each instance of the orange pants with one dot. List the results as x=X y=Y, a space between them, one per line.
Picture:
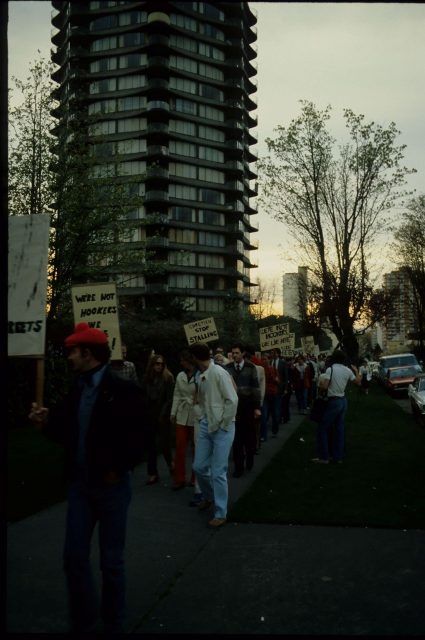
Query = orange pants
x=184 y=435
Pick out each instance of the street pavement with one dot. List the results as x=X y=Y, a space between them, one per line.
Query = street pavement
x=183 y=578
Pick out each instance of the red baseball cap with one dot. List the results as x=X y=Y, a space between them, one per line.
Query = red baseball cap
x=83 y=334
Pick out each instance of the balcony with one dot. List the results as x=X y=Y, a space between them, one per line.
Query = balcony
x=157 y=172
x=155 y=105
x=234 y=145
x=156 y=39
x=156 y=196
x=157 y=62
x=157 y=150
x=157 y=83
x=157 y=288
x=235 y=185
x=157 y=243
x=157 y=127
x=234 y=165
x=158 y=16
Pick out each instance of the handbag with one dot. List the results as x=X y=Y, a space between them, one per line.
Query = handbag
x=319 y=405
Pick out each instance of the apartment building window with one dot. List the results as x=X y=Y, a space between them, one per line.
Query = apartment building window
x=131 y=146
x=182 y=84
x=211 y=282
x=210 y=11
x=184 y=22
x=182 y=192
x=138 y=213
x=131 y=168
x=103 y=128
x=211 y=32
x=183 y=236
x=182 y=281
x=182 y=258
x=205 y=111
x=106 y=22
x=210 y=261
x=183 y=127
x=210 y=239
x=132 y=124
x=210 y=154
x=210 y=304
x=104 y=64
x=105 y=170
x=131 y=103
x=210 y=72
x=103 y=106
x=131 y=82
x=103 y=44
x=125 y=280
x=98 y=4
x=102 y=86
x=212 y=93
x=182 y=170
x=133 y=60
x=209 y=133
x=211 y=217
x=185 y=106
x=103 y=149
x=211 y=196
x=183 y=214
x=209 y=51
x=211 y=175
x=182 y=148
x=134 y=17
x=131 y=39
x=180 y=42
x=184 y=64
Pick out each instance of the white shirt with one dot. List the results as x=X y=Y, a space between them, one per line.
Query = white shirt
x=217 y=399
x=341 y=376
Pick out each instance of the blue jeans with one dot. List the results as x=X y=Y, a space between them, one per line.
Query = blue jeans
x=211 y=462
x=330 y=431
x=107 y=505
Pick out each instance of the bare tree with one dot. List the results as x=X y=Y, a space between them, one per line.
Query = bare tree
x=334 y=206
x=265 y=299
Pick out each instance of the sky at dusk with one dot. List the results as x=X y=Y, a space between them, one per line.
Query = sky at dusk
x=367 y=57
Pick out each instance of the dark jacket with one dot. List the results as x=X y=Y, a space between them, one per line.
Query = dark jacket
x=248 y=388
x=116 y=434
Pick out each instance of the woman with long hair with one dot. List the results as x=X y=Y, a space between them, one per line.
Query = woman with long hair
x=158 y=384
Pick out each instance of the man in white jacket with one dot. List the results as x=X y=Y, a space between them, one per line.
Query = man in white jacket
x=215 y=407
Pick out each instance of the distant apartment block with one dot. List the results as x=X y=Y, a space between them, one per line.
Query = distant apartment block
x=295 y=286
x=397 y=326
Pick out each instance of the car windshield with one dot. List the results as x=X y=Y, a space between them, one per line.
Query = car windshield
x=421 y=385
x=401 y=361
x=405 y=372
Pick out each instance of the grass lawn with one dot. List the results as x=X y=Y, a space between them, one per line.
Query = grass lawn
x=380 y=484
x=34 y=473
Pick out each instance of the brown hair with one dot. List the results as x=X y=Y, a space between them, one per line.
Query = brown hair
x=150 y=369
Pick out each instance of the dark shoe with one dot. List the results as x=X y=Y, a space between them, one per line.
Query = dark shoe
x=215 y=523
x=152 y=480
x=204 y=505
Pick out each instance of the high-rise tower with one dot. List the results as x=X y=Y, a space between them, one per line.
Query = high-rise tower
x=171 y=84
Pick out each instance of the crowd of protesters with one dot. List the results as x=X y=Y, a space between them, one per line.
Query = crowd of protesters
x=221 y=405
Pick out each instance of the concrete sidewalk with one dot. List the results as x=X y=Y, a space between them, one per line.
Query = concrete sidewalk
x=245 y=578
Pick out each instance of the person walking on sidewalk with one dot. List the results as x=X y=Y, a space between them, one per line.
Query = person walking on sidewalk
x=331 y=428
x=183 y=418
x=100 y=424
x=158 y=385
x=215 y=407
x=245 y=377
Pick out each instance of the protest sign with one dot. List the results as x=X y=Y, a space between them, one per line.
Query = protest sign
x=274 y=336
x=201 y=331
x=97 y=304
x=307 y=344
x=27 y=284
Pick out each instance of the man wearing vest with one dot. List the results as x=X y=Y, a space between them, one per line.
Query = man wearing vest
x=244 y=374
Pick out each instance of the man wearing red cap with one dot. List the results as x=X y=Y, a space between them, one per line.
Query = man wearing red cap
x=100 y=424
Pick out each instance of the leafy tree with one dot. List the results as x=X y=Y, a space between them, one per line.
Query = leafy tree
x=334 y=207
x=30 y=174
x=409 y=248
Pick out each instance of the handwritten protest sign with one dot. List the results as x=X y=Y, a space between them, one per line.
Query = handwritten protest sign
x=201 y=331
x=274 y=336
x=97 y=304
x=27 y=265
x=307 y=344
